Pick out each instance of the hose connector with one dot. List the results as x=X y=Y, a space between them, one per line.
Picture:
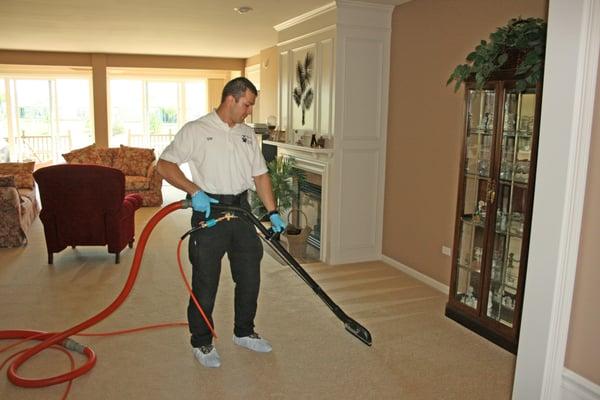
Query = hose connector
x=72 y=345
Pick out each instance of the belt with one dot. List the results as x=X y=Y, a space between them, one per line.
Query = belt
x=229 y=199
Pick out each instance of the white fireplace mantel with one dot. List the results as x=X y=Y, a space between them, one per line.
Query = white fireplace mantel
x=303 y=151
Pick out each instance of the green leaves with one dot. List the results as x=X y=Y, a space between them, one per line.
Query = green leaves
x=285 y=178
x=520 y=45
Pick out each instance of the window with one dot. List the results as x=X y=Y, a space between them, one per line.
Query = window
x=44 y=112
x=148 y=107
x=4 y=149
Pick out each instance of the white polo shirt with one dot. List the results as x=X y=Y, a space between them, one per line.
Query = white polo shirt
x=222 y=160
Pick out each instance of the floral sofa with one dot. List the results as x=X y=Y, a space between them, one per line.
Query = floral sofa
x=138 y=165
x=18 y=203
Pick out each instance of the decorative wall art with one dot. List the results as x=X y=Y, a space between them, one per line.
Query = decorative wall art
x=302 y=93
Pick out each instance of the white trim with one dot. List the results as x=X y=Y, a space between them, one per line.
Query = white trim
x=18 y=71
x=305 y=17
x=307 y=35
x=576 y=387
x=416 y=274
x=571 y=72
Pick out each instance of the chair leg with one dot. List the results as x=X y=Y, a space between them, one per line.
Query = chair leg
x=50 y=258
x=131 y=243
x=117 y=258
x=72 y=247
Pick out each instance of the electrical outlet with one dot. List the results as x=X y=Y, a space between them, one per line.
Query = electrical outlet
x=446 y=251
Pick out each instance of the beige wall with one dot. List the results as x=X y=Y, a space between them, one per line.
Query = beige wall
x=425 y=125
x=268 y=59
x=269 y=73
x=100 y=61
x=255 y=59
x=583 y=352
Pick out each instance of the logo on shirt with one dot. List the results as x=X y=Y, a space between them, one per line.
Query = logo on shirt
x=246 y=139
x=209 y=138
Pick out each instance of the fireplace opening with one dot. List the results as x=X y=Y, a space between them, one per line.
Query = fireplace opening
x=308 y=202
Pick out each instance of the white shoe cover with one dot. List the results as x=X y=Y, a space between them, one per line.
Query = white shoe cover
x=254 y=343
x=207 y=356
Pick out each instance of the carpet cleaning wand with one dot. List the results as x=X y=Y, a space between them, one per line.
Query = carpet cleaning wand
x=272 y=239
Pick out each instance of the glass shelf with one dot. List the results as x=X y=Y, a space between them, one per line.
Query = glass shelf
x=481 y=131
x=525 y=134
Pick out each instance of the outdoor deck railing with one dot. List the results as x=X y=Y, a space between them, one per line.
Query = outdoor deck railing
x=156 y=142
x=43 y=148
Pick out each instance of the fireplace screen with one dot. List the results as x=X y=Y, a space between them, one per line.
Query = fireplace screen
x=309 y=202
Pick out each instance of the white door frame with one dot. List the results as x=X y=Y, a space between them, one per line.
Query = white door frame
x=566 y=122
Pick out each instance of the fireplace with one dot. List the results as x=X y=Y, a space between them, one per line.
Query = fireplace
x=308 y=201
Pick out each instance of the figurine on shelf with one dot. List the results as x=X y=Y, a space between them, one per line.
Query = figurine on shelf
x=469 y=298
x=484 y=121
x=509 y=122
x=479 y=215
x=477 y=256
x=500 y=221
x=321 y=142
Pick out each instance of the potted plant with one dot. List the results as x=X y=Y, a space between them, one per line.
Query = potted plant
x=285 y=179
x=518 y=46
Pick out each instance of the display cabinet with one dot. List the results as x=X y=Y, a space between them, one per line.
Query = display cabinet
x=495 y=198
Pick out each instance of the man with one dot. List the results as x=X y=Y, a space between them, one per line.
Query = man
x=225 y=161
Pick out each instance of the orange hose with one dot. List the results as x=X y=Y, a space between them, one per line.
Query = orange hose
x=189 y=289
x=50 y=339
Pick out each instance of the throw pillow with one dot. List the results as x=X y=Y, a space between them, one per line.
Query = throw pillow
x=7 y=181
x=85 y=155
x=134 y=161
x=22 y=172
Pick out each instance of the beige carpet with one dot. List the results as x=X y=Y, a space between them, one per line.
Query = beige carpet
x=417 y=353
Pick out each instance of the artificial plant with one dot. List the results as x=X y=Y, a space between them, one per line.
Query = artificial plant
x=285 y=179
x=521 y=41
x=303 y=93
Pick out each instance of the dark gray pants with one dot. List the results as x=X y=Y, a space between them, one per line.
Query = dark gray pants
x=207 y=247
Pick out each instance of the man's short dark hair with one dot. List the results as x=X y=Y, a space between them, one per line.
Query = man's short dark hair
x=237 y=87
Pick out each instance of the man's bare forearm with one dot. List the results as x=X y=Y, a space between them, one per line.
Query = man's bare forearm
x=173 y=174
x=265 y=191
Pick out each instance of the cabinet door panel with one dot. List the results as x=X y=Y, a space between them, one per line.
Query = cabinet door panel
x=480 y=130
x=512 y=203
x=475 y=191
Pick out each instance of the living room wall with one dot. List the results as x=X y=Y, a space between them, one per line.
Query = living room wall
x=425 y=123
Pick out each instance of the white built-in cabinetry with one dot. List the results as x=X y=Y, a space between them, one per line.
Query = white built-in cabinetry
x=350 y=45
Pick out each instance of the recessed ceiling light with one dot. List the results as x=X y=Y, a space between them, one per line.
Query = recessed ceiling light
x=242 y=9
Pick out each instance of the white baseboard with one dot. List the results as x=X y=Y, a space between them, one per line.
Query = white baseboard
x=416 y=274
x=576 y=387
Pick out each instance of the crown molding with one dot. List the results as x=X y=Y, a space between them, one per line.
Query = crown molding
x=306 y=16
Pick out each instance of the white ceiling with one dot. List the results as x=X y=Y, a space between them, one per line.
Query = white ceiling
x=168 y=27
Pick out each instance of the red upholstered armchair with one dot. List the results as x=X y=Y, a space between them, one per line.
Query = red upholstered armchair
x=86 y=205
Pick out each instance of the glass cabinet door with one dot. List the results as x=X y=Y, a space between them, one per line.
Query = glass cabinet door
x=475 y=192
x=511 y=204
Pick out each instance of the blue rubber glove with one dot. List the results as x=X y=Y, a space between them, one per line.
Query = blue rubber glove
x=201 y=202
x=277 y=224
